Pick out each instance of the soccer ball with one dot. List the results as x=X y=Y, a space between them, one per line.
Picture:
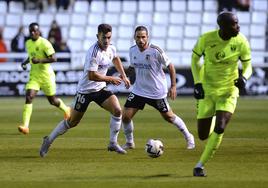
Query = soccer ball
x=154 y=148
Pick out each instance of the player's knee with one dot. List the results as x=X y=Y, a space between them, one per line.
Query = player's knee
x=53 y=102
x=202 y=137
x=126 y=119
x=29 y=98
x=169 y=119
x=219 y=129
x=117 y=112
x=72 y=123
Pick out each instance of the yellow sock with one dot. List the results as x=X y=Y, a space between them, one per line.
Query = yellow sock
x=27 y=113
x=62 y=106
x=212 y=145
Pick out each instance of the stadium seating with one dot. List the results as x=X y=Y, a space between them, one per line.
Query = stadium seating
x=174 y=25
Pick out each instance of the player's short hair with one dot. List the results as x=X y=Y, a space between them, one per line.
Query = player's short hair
x=104 y=28
x=141 y=28
x=224 y=18
x=33 y=24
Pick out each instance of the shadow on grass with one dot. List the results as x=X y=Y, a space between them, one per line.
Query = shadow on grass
x=157 y=176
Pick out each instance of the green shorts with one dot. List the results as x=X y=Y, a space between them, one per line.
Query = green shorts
x=210 y=104
x=48 y=86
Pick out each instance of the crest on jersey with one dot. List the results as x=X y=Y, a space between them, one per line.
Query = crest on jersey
x=233 y=48
x=147 y=57
x=220 y=55
x=78 y=106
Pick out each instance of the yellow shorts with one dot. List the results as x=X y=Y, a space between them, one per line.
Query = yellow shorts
x=210 y=104
x=47 y=86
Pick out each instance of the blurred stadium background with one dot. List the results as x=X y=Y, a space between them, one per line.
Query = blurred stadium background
x=174 y=25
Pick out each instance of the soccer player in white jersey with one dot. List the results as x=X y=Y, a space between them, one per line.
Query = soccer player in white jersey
x=150 y=87
x=92 y=87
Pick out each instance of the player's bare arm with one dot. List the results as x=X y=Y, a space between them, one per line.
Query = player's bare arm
x=50 y=59
x=95 y=76
x=118 y=65
x=173 y=89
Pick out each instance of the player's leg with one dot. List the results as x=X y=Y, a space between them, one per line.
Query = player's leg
x=49 y=88
x=205 y=120
x=205 y=113
x=27 y=111
x=133 y=104
x=128 y=114
x=81 y=103
x=109 y=102
x=170 y=117
x=203 y=127
x=224 y=110
x=55 y=101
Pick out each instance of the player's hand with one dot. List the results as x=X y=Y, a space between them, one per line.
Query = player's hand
x=24 y=66
x=35 y=61
x=240 y=82
x=116 y=81
x=126 y=81
x=199 y=91
x=172 y=93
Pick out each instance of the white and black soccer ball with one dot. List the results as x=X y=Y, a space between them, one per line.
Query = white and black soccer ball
x=154 y=148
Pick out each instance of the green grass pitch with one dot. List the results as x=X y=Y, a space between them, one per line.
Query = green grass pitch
x=80 y=157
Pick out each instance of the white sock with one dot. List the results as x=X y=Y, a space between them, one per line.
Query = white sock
x=178 y=122
x=60 y=129
x=128 y=130
x=199 y=165
x=115 y=124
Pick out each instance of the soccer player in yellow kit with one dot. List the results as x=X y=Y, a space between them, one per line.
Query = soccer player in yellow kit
x=217 y=81
x=40 y=55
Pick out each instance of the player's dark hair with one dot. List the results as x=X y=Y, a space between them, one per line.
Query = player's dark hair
x=141 y=28
x=104 y=28
x=33 y=24
x=225 y=18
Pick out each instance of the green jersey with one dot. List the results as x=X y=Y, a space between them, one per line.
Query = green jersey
x=220 y=67
x=41 y=48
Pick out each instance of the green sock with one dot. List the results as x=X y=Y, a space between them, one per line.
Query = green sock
x=62 y=106
x=212 y=145
x=26 y=115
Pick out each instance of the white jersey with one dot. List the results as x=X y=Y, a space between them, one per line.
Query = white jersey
x=96 y=60
x=150 y=78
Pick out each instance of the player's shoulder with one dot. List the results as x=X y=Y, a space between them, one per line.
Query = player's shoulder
x=93 y=50
x=209 y=34
x=112 y=47
x=44 y=40
x=133 y=47
x=28 y=41
x=157 y=48
x=241 y=37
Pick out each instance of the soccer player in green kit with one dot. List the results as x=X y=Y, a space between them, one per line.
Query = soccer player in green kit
x=217 y=81
x=40 y=55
